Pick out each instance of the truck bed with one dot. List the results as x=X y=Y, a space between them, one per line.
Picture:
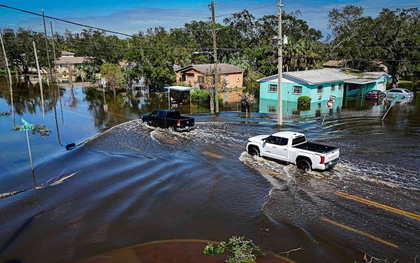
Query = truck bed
x=315 y=147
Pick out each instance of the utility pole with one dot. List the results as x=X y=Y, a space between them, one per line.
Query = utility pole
x=46 y=45
x=39 y=78
x=280 y=69
x=216 y=70
x=53 y=46
x=8 y=73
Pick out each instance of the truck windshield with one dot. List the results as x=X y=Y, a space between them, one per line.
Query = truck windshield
x=298 y=140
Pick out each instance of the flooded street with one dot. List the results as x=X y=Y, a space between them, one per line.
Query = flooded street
x=126 y=183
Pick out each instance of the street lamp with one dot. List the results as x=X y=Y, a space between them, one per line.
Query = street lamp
x=216 y=77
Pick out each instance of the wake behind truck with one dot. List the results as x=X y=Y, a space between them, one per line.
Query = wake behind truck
x=169 y=119
x=292 y=147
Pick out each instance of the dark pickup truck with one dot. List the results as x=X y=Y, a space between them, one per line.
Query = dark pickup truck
x=170 y=119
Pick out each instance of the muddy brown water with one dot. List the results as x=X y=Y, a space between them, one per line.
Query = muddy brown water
x=127 y=184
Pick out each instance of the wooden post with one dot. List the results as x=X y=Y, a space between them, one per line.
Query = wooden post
x=216 y=69
x=46 y=46
x=29 y=150
x=40 y=80
x=10 y=75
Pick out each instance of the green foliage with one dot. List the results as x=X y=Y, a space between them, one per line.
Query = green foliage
x=200 y=95
x=304 y=101
x=40 y=129
x=391 y=36
x=408 y=85
x=112 y=73
x=242 y=250
x=242 y=40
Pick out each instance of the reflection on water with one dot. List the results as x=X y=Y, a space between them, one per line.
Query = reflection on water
x=126 y=183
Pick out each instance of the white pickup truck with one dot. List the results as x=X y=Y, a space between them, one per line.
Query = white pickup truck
x=292 y=147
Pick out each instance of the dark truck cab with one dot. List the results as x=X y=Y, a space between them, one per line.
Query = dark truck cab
x=169 y=119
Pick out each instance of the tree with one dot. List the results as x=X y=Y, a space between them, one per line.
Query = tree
x=159 y=57
x=113 y=75
x=397 y=40
x=20 y=51
x=342 y=21
x=392 y=37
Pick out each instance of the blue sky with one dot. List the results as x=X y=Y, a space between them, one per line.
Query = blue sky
x=132 y=16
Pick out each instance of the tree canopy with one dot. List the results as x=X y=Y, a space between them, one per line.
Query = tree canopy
x=243 y=40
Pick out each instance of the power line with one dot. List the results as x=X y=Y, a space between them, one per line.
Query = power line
x=65 y=21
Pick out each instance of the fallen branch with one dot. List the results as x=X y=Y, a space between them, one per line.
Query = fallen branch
x=291 y=250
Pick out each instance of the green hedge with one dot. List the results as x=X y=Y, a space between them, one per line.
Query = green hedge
x=200 y=95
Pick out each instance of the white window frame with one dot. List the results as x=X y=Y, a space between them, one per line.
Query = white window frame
x=270 y=86
x=319 y=89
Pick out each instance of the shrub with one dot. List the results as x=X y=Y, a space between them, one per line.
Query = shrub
x=242 y=251
x=304 y=101
x=199 y=95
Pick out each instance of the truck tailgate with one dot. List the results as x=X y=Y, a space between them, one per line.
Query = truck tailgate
x=332 y=155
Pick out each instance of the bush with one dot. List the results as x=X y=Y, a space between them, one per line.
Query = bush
x=199 y=95
x=304 y=101
x=240 y=249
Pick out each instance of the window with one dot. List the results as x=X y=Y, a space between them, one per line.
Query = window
x=272 y=88
x=297 y=89
x=271 y=139
x=200 y=79
x=340 y=86
x=332 y=87
x=320 y=89
x=161 y=114
x=272 y=109
x=299 y=140
x=283 y=141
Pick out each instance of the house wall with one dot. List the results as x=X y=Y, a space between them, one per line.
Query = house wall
x=307 y=90
x=362 y=89
x=291 y=108
x=63 y=72
x=234 y=80
x=230 y=80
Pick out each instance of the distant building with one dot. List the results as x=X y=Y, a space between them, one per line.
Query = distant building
x=67 y=67
x=195 y=75
x=341 y=63
x=8 y=30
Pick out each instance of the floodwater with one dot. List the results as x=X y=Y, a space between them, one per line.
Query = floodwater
x=126 y=183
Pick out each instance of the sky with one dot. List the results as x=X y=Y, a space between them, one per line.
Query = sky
x=129 y=17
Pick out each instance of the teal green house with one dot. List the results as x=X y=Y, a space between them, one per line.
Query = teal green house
x=319 y=85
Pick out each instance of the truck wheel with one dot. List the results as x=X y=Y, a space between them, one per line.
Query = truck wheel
x=253 y=151
x=303 y=165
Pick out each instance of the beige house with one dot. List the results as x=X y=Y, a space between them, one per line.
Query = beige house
x=67 y=67
x=202 y=75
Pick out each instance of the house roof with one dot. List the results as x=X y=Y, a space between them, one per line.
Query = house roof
x=312 y=77
x=209 y=68
x=70 y=60
x=179 y=88
x=335 y=63
x=360 y=81
x=319 y=76
x=67 y=54
x=374 y=75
